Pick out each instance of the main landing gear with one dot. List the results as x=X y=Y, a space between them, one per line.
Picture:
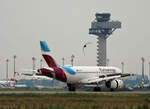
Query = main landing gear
x=97 y=89
x=71 y=87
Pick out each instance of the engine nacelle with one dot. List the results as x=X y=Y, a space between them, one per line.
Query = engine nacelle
x=114 y=84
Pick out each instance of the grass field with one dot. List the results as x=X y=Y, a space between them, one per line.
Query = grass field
x=75 y=101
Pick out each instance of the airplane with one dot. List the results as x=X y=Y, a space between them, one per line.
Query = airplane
x=9 y=83
x=34 y=75
x=76 y=76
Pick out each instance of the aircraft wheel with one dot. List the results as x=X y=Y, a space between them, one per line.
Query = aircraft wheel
x=112 y=89
x=97 y=89
x=71 y=87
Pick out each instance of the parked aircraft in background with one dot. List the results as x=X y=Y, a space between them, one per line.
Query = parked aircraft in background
x=9 y=83
x=76 y=76
x=33 y=74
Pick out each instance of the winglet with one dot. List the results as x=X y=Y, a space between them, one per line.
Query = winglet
x=44 y=46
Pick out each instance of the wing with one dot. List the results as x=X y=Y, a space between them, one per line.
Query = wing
x=26 y=74
x=104 y=78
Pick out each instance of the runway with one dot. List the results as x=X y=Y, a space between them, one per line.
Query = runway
x=77 y=92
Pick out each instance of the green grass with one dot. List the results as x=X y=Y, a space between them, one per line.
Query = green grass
x=74 y=101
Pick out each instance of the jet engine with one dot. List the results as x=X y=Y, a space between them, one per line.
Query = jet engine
x=114 y=84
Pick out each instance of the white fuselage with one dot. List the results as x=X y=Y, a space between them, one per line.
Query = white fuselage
x=84 y=72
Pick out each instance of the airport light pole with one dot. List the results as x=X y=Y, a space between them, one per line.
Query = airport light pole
x=33 y=65
x=41 y=63
x=14 y=64
x=143 y=60
x=0 y=60
x=149 y=71
x=63 y=61
x=7 y=69
x=122 y=66
x=72 y=59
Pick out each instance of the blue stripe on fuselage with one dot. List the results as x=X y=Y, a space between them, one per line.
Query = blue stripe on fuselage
x=69 y=70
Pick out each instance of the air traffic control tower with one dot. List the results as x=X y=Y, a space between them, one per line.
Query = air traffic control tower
x=103 y=27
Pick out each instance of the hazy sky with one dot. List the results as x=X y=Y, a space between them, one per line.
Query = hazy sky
x=65 y=24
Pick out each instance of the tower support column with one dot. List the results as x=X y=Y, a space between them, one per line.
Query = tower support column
x=101 y=51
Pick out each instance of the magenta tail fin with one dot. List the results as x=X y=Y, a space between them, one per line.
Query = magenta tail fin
x=45 y=53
